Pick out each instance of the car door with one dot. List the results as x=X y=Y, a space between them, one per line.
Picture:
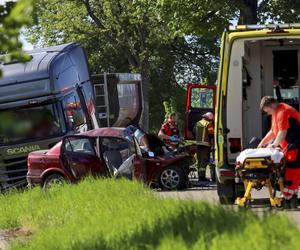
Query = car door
x=80 y=157
x=199 y=100
x=140 y=163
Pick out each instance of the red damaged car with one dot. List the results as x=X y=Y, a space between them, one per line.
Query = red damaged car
x=108 y=152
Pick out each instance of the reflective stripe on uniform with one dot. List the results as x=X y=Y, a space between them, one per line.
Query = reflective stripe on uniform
x=288 y=193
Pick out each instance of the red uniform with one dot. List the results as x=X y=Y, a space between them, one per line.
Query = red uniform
x=287 y=118
x=170 y=128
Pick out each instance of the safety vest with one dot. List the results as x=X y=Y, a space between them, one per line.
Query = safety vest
x=203 y=131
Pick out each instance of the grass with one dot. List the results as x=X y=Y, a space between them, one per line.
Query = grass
x=108 y=214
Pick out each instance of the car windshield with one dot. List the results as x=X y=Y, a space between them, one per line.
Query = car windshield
x=19 y=125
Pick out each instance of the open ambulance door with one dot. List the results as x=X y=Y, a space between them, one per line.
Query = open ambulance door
x=199 y=100
x=220 y=132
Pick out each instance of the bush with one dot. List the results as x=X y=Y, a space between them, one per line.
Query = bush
x=109 y=214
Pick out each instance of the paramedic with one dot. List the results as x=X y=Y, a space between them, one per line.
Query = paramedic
x=285 y=132
x=169 y=131
x=204 y=132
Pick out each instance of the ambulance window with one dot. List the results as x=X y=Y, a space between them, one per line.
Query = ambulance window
x=202 y=98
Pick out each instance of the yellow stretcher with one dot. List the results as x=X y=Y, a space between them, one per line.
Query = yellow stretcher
x=257 y=173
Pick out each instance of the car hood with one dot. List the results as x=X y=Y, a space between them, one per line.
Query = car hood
x=167 y=159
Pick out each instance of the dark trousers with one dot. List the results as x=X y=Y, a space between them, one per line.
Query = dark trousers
x=203 y=156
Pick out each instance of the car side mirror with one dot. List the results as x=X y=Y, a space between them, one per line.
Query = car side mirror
x=151 y=154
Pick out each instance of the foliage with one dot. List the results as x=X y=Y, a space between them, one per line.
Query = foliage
x=168 y=41
x=12 y=18
x=136 y=36
x=95 y=215
x=201 y=18
x=279 y=11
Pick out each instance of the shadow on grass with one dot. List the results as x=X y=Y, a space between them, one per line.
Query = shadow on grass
x=189 y=224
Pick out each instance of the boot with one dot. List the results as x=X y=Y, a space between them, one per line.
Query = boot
x=294 y=202
x=286 y=204
x=291 y=203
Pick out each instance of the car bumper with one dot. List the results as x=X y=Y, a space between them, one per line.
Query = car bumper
x=34 y=180
x=225 y=173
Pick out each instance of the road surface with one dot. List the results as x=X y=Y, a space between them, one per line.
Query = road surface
x=209 y=194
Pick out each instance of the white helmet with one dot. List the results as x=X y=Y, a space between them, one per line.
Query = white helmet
x=209 y=116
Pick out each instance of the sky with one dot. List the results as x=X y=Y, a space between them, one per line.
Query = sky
x=26 y=44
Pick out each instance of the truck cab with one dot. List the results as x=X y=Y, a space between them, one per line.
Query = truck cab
x=254 y=59
x=41 y=101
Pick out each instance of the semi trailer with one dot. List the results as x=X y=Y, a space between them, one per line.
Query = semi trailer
x=119 y=99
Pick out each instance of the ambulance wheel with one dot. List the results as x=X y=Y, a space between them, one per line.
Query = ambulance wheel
x=213 y=173
x=239 y=190
x=226 y=191
x=172 y=178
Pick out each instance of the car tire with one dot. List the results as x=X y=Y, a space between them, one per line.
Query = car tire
x=53 y=179
x=172 y=178
x=226 y=191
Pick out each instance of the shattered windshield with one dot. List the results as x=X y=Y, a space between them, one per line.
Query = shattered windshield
x=23 y=124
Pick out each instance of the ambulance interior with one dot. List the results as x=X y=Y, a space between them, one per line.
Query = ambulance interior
x=255 y=65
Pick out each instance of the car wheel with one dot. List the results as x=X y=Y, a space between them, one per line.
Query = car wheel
x=172 y=178
x=54 y=180
x=226 y=191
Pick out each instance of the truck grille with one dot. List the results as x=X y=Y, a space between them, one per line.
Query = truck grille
x=13 y=172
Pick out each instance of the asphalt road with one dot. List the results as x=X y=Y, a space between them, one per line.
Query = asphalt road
x=209 y=194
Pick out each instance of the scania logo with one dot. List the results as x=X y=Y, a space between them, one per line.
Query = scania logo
x=20 y=150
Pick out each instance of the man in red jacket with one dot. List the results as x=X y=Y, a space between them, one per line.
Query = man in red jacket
x=285 y=133
x=169 y=131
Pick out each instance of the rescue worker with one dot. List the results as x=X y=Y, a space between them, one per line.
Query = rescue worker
x=285 y=133
x=204 y=131
x=169 y=131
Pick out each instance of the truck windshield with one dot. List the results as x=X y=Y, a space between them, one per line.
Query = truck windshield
x=23 y=124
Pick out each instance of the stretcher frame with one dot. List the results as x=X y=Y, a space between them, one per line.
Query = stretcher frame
x=259 y=172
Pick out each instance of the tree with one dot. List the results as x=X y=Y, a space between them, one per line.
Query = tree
x=130 y=31
x=287 y=11
x=126 y=35
x=12 y=18
x=168 y=41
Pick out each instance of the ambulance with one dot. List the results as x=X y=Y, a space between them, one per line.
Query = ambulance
x=255 y=61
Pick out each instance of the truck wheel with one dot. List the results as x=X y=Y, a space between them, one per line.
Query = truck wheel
x=172 y=178
x=226 y=191
x=213 y=172
x=54 y=180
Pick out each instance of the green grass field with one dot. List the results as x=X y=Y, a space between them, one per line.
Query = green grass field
x=108 y=214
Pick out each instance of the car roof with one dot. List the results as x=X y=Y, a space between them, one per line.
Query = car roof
x=102 y=132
